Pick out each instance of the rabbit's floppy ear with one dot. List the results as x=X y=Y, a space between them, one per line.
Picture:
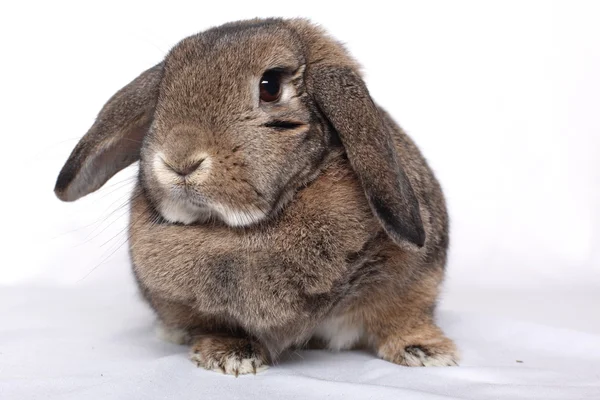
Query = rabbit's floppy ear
x=344 y=99
x=114 y=140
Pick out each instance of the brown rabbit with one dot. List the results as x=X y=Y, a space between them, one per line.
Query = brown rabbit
x=277 y=206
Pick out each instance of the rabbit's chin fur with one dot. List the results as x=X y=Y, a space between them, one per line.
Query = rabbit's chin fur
x=292 y=214
x=181 y=211
x=185 y=212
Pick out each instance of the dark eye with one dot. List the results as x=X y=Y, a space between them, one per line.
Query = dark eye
x=270 y=86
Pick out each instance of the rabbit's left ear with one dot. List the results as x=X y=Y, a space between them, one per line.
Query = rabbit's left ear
x=115 y=139
x=344 y=99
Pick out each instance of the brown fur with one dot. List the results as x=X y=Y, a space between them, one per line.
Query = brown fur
x=332 y=215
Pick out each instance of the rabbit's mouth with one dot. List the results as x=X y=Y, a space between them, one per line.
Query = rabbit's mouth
x=189 y=193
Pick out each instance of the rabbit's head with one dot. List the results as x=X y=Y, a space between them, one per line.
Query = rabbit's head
x=238 y=118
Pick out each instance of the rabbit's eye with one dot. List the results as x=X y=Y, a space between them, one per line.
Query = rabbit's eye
x=270 y=86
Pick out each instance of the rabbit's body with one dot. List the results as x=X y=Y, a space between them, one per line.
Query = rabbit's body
x=256 y=229
x=312 y=270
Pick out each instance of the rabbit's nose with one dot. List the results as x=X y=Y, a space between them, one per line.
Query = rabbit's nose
x=187 y=169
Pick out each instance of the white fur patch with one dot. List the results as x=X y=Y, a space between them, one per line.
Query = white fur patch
x=232 y=365
x=339 y=333
x=172 y=335
x=238 y=217
x=164 y=174
x=180 y=211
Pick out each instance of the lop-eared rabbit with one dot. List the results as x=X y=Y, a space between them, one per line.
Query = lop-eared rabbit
x=277 y=205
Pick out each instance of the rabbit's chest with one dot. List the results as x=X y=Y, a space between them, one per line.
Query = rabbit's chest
x=294 y=267
x=259 y=284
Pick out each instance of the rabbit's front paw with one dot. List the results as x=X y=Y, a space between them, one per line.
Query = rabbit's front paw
x=436 y=351
x=229 y=355
x=422 y=356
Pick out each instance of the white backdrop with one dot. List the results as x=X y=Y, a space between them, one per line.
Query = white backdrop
x=502 y=97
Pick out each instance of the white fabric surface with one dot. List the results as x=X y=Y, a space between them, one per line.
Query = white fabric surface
x=98 y=342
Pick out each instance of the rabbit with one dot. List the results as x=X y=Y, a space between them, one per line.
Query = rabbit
x=277 y=206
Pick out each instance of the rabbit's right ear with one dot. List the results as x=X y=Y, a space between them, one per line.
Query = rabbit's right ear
x=115 y=139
